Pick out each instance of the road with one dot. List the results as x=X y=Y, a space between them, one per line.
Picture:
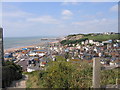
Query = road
x=24 y=63
x=109 y=67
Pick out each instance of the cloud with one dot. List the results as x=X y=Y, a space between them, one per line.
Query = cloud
x=16 y=14
x=22 y=23
x=16 y=28
x=90 y=22
x=85 y=22
x=67 y=12
x=0 y=15
x=44 y=20
x=96 y=25
x=12 y=11
x=60 y=0
x=94 y=22
x=66 y=17
x=69 y=3
x=114 y=8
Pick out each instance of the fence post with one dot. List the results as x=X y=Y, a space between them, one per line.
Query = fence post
x=96 y=72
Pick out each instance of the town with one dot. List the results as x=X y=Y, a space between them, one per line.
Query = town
x=74 y=48
x=60 y=44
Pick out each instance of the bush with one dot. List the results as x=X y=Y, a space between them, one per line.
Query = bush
x=10 y=72
x=109 y=76
x=66 y=42
x=65 y=75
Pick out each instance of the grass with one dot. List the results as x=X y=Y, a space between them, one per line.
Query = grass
x=109 y=76
x=103 y=37
x=96 y=38
x=60 y=58
x=85 y=74
x=33 y=80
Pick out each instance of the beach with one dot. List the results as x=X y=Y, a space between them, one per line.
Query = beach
x=29 y=46
x=14 y=49
x=15 y=42
x=18 y=42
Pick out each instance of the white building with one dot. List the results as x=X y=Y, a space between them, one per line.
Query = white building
x=87 y=42
x=91 y=41
x=82 y=42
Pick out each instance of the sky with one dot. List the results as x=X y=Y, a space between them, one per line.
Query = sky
x=24 y=19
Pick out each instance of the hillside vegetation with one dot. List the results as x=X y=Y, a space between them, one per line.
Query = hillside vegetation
x=10 y=72
x=64 y=74
x=103 y=37
x=61 y=75
x=99 y=38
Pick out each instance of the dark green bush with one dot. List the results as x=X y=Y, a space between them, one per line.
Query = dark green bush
x=10 y=72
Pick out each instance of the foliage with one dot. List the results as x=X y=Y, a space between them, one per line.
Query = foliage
x=74 y=35
x=60 y=58
x=99 y=38
x=10 y=72
x=109 y=76
x=66 y=42
x=33 y=78
x=62 y=74
x=103 y=37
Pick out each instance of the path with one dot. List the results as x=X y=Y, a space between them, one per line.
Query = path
x=19 y=83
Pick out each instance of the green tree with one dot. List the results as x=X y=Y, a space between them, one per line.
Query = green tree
x=10 y=72
x=66 y=75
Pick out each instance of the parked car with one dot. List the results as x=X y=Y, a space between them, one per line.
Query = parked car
x=22 y=60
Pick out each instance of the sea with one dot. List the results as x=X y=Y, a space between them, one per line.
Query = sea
x=17 y=42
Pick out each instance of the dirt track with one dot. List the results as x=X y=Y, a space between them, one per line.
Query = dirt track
x=19 y=83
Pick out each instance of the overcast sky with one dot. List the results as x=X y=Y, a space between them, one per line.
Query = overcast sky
x=23 y=19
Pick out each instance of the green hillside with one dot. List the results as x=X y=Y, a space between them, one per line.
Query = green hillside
x=103 y=37
x=90 y=37
x=68 y=75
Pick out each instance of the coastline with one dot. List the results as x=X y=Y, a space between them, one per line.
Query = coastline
x=40 y=44
x=14 y=49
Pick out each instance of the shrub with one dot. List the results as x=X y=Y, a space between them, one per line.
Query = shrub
x=10 y=72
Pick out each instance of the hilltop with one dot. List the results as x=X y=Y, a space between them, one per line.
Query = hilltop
x=78 y=38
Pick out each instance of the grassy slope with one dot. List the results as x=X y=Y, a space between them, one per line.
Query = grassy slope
x=97 y=38
x=107 y=76
x=103 y=37
x=33 y=81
